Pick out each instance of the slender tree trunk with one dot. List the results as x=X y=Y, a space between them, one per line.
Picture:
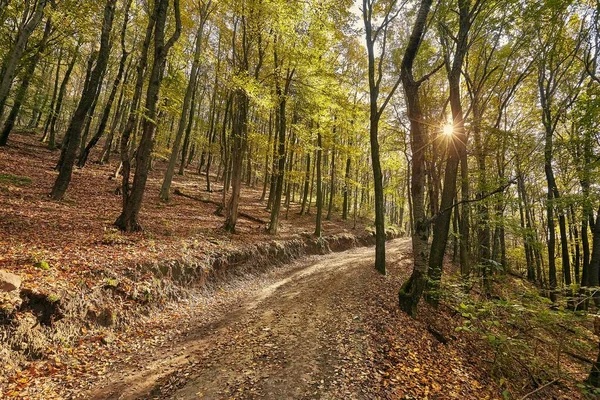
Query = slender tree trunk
x=59 y=102
x=53 y=99
x=274 y=224
x=346 y=205
x=187 y=100
x=14 y=112
x=11 y=62
x=306 y=184
x=456 y=149
x=331 y=184
x=132 y=118
x=319 y=184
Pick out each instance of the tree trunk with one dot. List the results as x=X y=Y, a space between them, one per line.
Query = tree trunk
x=87 y=97
x=306 y=184
x=456 y=149
x=59 y=102
x=274 y=224
x=14 y=112
x=187 y=100
x=331 y=184
x=319 y=184
x=83 y=156
x=411 y=291
x=128 y=220
x=11 y=62
x=346 y=205
x=53 y=99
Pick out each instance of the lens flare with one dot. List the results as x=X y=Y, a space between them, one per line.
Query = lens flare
x=448 y=129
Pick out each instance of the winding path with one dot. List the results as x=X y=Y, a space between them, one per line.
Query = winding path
x=302 y=335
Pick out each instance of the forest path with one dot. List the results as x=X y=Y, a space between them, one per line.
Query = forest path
x=302 y=336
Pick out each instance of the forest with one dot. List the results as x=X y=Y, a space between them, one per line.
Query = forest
x=370 y=199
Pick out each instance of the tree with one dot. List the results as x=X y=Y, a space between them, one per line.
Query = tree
x=204 y=11
x=375 y=68
x=32 y=17
x=83 y=156
x=73 y=134
x=457 y=146
x=411 y=291
x=29 y=73
x=128 y=220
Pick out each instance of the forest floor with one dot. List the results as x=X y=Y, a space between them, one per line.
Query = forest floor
x=322 y=327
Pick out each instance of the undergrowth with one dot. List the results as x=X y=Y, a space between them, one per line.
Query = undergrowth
x=534 y=342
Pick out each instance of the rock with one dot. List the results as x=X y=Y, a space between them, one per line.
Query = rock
x=108 y=338
x=9 y=282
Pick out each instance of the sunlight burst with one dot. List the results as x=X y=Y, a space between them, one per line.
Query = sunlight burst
x=448 y=129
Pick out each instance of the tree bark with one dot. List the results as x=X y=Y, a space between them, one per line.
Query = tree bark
x=11 y=62
x=412 y=290
x=456 y=149
x=187 y=100
x=83 y=156
x=319 y=184
x=89 y=93
x=14 y=112
x=128 y=220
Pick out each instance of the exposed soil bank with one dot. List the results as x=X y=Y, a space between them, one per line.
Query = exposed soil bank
x=41 y=321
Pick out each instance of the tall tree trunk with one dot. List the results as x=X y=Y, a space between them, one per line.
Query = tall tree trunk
x=281 y=125
x=306 y=184
x=331 y=184
x=9 y=66
x=411 y=291
x=319 y=184
x=465 y=262
x=128 y=220
x=187 y=100
x=14 y=112
x=59 y=102
x=87 y=98
x=456 y=149
x=118 y=120
x=54 y=94
x=346 y=205
x=132 y=118
x=83 y=156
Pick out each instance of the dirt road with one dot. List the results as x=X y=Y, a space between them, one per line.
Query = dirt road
x=300 y=335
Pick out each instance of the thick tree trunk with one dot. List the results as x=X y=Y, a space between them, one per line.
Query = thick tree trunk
x=412 y=290
x=128 y=220
x=87 y=98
